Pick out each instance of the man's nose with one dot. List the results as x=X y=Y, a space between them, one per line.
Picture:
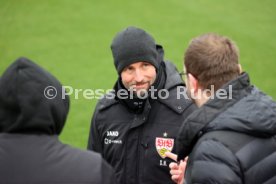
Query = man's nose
x=139 y=76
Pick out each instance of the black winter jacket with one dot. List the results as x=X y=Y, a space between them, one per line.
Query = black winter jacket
x=231 y=141
x=30 y=151
x=134 y=144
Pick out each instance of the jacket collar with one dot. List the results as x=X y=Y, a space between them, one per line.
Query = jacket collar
x=174 y=84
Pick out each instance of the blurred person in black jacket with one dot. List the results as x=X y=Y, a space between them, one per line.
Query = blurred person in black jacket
x=30 y=123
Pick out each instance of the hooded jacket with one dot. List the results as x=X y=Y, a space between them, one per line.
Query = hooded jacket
x=231 y=140
x=30 y=151
x=135 y=143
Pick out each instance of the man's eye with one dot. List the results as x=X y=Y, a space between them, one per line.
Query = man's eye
x=145 y=65
x=128 y=69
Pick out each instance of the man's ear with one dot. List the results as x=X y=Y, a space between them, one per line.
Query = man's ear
x=193 y=82
x=240 y=68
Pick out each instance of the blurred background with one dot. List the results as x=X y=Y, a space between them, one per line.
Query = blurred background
x=71 y=39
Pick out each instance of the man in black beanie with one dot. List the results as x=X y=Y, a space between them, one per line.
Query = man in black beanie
x=133 y=132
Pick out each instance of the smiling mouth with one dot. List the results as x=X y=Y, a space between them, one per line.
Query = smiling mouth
x=140 y=85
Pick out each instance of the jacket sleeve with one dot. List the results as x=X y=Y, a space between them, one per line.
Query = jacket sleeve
x=94 y=142
x=212 y=162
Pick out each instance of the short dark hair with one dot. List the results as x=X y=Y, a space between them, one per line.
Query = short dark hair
x=213 y=60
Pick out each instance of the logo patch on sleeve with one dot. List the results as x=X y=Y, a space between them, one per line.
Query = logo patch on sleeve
x=163 y=145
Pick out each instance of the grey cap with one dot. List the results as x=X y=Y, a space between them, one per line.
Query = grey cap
x=132 y=45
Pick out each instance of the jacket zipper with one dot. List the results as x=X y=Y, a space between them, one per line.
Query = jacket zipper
x=125 y=153
x=138 y=157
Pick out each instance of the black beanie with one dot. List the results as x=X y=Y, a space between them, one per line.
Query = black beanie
x=132 y=45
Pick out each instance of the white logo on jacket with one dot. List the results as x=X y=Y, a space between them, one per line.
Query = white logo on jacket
x=112 y=133
x=109 y=138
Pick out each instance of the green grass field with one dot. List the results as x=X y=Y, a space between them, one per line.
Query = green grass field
x=72 y=40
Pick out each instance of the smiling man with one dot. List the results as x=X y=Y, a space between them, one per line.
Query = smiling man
x=138 y=77
x=133 y=133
